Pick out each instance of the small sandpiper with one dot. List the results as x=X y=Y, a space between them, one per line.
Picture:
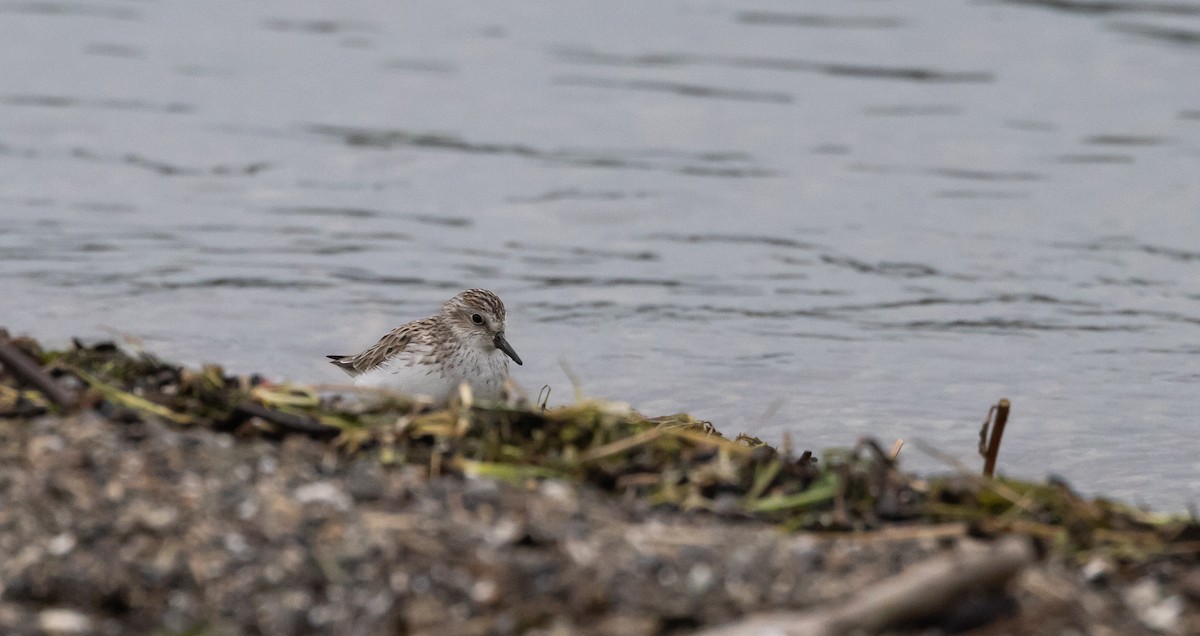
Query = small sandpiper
x=433 y=356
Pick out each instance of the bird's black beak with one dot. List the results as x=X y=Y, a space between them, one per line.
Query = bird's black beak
x=503 y=345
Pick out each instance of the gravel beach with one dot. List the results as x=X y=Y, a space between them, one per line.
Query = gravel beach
x=114 y=527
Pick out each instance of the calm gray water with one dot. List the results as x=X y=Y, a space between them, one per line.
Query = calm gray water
x=826 y=219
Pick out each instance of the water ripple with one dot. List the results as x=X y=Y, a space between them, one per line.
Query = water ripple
x=842 y=69
x=991 y=195
x=1005 y=326
x=1095 y=158
x=591 y=281
x=973 y=174
x=1100 y=7
x=581 y=311
x=676 y=88
x=1125 y=244
x=367 y=213
x=714 y=164
x=132 y=159
x=574 y=254
x=883 y=268
x=1167 y=316
x=71 y=9
x=1124 y=140
x=318 y=27
x=237 y=282
x=930 y=301
x=914 y=110
x=774 y=18
x=575 y=194
x=414 y=65
x=748 y=239
x=71 y=101
x=360 y=275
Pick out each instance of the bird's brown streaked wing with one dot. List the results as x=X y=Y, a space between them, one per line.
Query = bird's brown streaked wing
x=392 y=343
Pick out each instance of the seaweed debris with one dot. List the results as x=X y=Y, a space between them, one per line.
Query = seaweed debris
x=674 y=460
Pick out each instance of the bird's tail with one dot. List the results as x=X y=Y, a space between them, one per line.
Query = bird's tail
x=343 y=363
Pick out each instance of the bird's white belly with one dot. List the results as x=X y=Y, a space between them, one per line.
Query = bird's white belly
x=439 y=381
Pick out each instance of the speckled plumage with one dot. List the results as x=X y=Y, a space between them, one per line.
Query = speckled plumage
x=464 y=342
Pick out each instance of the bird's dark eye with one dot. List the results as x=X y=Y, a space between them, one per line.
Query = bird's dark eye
x=477 y=319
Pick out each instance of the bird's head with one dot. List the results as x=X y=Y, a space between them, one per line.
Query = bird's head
x=477 y=316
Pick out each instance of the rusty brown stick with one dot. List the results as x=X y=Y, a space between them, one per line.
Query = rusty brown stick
x=32 y=373
x=983 y=430
x=993 y=450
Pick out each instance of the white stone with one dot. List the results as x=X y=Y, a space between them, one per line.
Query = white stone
x=61 y=544
x=323 y=492
x=64 y=621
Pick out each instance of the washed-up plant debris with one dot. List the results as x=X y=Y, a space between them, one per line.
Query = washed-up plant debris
x=674 y=460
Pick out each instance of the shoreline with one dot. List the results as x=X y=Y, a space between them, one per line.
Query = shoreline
x=148 y=497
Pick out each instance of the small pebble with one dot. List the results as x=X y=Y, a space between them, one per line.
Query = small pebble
x=1097 y=571
x=63 y=621
x=699 y=578
x=324 y=492
x=61 y=544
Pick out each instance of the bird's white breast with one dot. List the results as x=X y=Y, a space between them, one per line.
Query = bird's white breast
x=415 y=372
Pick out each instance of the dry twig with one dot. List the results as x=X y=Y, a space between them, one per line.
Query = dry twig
x=30 y=372
x=288 y=422
x=923 y=590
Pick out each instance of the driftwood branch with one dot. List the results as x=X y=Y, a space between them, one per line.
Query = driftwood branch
x=924 y=590
x=32 y=373
x=288 y=422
